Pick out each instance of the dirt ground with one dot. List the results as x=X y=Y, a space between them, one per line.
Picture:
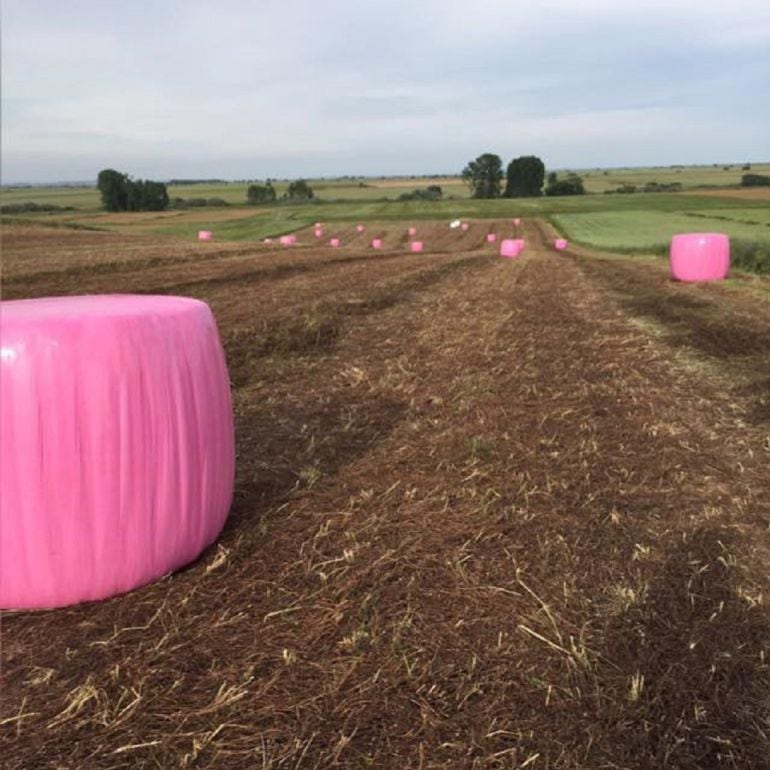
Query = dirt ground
x=488 y=514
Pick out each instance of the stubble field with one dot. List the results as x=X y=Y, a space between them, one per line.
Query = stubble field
x=488 y=514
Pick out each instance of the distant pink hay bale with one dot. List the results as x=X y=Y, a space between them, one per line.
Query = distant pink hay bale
x=416 y=245
x=464 y=226
x=560 y=244
x=516 y=221
x=509 y=248
x=288 y=240
x=700 y=257
x=318 y=232
x=334 y=242
x=411 y=231
x=204 y=235
x=267 y=240
x=376 y=243
x=491 y=237
x=116 y=441
x=359 y=228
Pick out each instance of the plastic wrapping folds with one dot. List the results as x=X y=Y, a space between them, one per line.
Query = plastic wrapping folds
x=416 y=245
x=700 y=257
x=560 y=244
x=204 y=235
x=116 y=444
x=509 y=248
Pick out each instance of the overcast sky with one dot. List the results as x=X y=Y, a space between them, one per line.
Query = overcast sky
x=285 y=88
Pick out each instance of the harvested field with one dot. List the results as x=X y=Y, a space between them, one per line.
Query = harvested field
x=488 y=514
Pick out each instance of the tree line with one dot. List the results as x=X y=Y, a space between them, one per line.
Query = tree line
x=524 y=178
x=122 y=193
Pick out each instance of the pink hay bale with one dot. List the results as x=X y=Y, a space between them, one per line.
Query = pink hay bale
x=464 y=226
x=116 y=442
x=516 y=221
x=560 y=244
x=267 y=240
x=411 y=231
x=318 y=232
x=700 y=257
x=359 y=228
x=204 y=235
x=334 y=242
x=416 y=245
x=288 y=240
x=491 y=237
x=520 y=244
x=509 y=248
x=376 y=243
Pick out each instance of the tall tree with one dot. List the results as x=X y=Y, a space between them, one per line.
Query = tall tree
x=113 y=187
x=484 y=175
x=525 y=177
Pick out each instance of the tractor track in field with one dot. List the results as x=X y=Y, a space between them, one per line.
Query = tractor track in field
x=492 y=521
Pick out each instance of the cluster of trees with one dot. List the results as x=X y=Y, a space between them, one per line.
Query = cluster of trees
x=524 y=178
x=432 y=192
x=571 y=185
x=122 y=193
x=755 y=180
x=299 y=190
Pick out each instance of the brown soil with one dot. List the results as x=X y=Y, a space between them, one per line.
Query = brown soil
x=489 y=514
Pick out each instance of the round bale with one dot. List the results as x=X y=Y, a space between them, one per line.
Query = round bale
x=700 y=257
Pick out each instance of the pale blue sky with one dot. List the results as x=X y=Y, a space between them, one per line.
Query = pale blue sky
x=288 y=88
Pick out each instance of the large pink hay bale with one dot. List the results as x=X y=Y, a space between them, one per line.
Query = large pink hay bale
x=416 y=245
x=509 y=248
x=560 y=244
x=491 y=237
x=700 y=257
x=204 y=235
x=520 y=243
x=116 y=444
x=334 y=242
x=376 y=243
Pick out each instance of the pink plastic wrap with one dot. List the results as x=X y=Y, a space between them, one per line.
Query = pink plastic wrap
x=700 y=257
x=411 y=231
x=204 y=235
x=376 y=243
x=464 y=226
x=318 y=232
x=416 y=245
x=334 y=242
x=359 y=228
x=491 y=237
x=520 y=243
x=288 y=240
x=116 y=444
x=516 y=221
x=560 y=244
x=509 y=248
